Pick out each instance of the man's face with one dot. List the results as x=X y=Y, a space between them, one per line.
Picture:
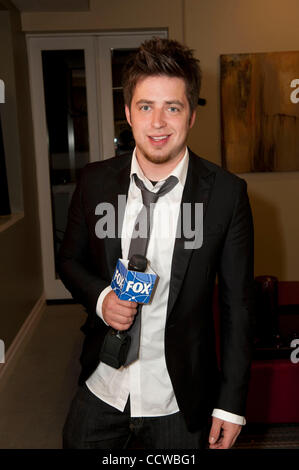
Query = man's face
x=160 y=118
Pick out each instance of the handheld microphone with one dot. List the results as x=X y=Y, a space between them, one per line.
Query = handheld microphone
x=137 y=263
x=117 y=343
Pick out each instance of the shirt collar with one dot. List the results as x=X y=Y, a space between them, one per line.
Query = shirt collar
x=180 y=171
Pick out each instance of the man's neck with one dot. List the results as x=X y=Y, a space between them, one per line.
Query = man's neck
x=157 y=171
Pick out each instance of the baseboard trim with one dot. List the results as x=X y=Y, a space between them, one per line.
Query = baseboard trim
x=22 y=337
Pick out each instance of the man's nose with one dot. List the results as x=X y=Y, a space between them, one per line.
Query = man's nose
x=158 y=118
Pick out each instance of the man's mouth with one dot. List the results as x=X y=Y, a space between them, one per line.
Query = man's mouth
x=159 y=140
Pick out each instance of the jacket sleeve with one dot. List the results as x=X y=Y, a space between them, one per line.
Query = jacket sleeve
x=235 y=277
x=74 y=266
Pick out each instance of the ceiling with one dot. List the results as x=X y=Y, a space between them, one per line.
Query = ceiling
x=51 y=5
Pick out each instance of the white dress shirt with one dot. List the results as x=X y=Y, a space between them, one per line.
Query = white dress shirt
x=146 y=381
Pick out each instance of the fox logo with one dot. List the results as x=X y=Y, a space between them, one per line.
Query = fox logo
x=119 y=279
x=139 y=287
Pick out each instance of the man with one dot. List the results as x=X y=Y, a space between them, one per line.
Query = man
x=169 y=392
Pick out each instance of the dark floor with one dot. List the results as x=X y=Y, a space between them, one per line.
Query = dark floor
x=35 y=397
x=274 y=436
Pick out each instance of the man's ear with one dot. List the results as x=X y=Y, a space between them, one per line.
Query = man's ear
x=192 y=119
x=128 y=114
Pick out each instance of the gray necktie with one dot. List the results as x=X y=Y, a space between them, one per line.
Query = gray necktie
x=139 y=246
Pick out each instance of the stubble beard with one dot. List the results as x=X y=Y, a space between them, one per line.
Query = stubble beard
x=158 y=159
x=163 y=157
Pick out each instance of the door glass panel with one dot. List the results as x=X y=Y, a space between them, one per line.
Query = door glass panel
x=67 y=125
x=123 y=137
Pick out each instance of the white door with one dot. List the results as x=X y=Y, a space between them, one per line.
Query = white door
x=78 y=117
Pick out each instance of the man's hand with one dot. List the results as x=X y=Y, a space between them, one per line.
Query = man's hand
x=118 y=313
x=223 y=434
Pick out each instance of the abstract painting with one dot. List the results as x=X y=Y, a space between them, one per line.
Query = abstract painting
x=260 y=112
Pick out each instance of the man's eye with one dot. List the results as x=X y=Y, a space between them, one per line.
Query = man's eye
x=145 y=107
x=173 y=109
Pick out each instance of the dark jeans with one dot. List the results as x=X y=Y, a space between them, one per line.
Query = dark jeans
x=93 y=424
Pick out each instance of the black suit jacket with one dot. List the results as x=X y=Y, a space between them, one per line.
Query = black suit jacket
x=86 y=265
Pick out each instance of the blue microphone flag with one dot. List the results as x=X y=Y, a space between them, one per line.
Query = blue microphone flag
x=133 y=285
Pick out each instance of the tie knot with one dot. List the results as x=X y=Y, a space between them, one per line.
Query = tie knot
x=149 y=197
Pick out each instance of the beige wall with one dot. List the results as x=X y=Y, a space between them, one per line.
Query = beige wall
x=112 y=15
x=20 y=258
x=217 y=27
x=214 y=27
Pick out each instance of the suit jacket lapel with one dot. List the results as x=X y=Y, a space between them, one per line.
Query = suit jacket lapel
x=198 y=186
